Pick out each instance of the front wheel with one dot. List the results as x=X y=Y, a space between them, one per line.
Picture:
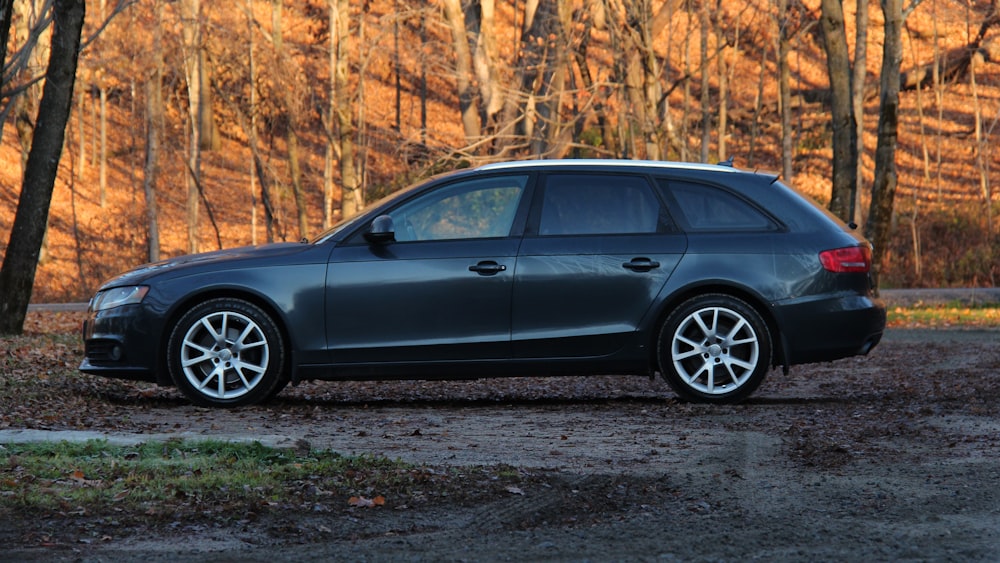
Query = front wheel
x=226 y=353
x=714 y=348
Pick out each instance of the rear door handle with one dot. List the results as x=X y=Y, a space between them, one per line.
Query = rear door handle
x=641 y=265
x=488 y=268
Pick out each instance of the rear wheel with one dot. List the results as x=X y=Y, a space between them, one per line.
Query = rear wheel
x=227 y=353
x=714 y=348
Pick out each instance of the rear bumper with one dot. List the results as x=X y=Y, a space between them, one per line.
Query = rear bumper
x=825 y=328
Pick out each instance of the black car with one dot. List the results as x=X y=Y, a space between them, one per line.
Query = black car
x=706 y=274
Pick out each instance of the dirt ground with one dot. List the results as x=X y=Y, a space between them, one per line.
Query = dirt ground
x=895 y=456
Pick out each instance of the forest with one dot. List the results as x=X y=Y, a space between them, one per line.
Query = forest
x=200 y=125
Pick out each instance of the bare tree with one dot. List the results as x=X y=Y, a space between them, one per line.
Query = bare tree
x=17 y=274
x=6 y=16
x=784 y=88
x=467 y=102
x=290 y=116
x=722 y=115
x=643 y=69
x=351 y=197
x=859 y=76
x=32 y=28
x=481 y=22
x=154 y=133
x=884 y=186
x=706 y=110
x=845 y=147
x=194 y=69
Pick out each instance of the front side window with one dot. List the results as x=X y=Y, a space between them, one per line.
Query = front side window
x=481 y=208
x=708 y=208
x=593 y=204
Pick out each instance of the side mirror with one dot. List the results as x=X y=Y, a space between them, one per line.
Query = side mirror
x=382 y=230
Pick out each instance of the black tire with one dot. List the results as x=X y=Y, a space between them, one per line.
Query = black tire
x=227 y=353
x=714 y=348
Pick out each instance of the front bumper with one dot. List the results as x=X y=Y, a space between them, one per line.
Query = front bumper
x=122 y=343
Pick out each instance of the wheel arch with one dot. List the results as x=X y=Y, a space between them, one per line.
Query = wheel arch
x=195 y=299
x=744 y=294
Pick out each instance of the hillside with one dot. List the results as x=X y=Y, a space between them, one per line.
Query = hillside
x=940 y=236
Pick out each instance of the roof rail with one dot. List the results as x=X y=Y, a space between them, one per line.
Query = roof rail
x=666 y=165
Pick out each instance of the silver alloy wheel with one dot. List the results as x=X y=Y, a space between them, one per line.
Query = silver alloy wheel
x=224 y=355
x=715 y=350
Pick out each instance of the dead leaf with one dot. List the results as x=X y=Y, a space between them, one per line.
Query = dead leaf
x=366 y=502
x=515 y=490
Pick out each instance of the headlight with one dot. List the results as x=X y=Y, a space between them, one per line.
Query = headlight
x=117 y=297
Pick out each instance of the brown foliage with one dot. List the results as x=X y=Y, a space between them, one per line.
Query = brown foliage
x=88 y=243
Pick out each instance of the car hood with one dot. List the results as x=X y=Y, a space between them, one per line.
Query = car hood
x=214 y=259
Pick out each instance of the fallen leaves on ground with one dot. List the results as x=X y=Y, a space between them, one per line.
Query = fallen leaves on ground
x=363 y=502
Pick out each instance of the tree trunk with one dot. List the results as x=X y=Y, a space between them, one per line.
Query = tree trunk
x=706 y=109
x=486 y=60
x=642 y=79
x=351 y=199
x=291 y=121
x=467 y=104
x=686 y=103
x=845 y=149
x=81 y=112
x=539 y=44
x=252 y=136
x=6 y=17
x=884 y=187
x=295 y=169
x=600 y=108
x=191 y=32
x=758 y=109
x=17 y=275
x=722 y=121
x=154 y=133
x=858 y=78
x=30 y=14
x=982 y=151
x=549 y=129
x=784 y=90
x=102 y=158
x=209 y=136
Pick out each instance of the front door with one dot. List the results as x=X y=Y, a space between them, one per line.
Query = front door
x=442 y=290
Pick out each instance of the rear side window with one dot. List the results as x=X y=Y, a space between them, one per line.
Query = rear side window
x=708 y=208
x=593 y=204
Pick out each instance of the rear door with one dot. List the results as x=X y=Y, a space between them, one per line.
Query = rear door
x=599 y=248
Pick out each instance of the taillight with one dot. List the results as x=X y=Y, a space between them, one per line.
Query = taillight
x=844 y=260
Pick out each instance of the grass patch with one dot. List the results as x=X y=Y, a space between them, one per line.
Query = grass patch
x=944 y=316
x=175 y=479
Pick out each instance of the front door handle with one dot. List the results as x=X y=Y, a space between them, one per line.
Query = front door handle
x=488 y=268
x=641 y=265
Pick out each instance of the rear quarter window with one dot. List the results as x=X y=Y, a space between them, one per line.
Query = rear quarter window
x=701 y=207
